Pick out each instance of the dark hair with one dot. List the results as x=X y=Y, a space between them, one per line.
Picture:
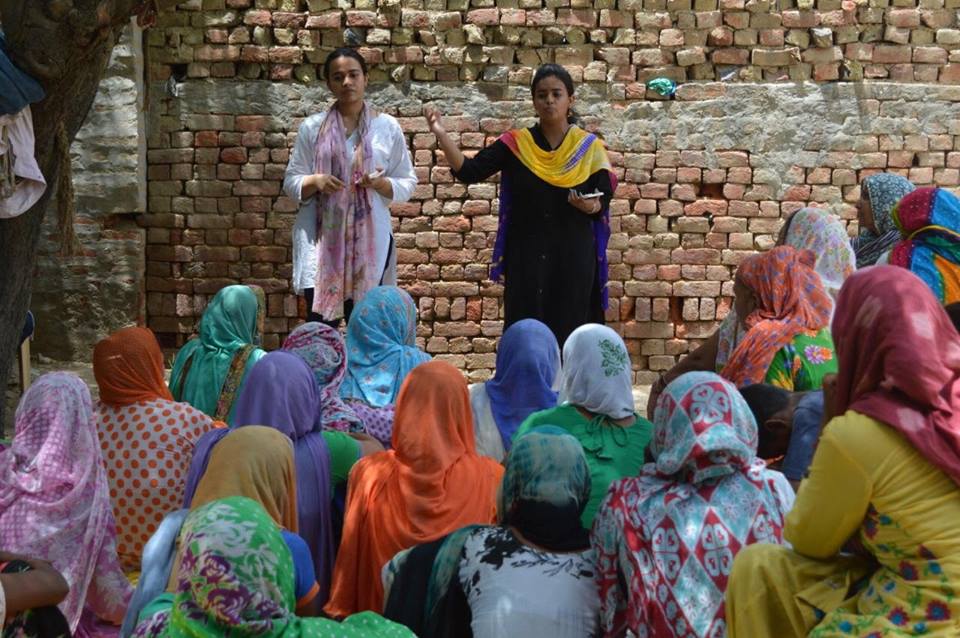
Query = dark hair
x=953 y=311
x=556 y=71
x=765 y=400
x=343 y=52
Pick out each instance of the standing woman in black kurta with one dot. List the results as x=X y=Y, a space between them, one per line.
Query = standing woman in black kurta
x=552 y=241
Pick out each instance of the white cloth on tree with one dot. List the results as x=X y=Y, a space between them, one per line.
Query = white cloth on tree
x=21 y=182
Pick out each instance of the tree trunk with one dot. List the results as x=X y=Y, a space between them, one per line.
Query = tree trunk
x=65 y=45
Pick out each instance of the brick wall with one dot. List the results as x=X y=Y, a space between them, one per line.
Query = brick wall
x=705 y=177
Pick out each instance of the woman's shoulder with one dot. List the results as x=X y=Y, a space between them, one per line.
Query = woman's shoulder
x=388 y=123
x=313 y=121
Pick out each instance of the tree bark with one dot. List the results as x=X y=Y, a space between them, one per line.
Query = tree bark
x=65 y=45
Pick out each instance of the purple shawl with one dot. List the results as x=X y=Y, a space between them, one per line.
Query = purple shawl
x=281 y=392
x=528 y=362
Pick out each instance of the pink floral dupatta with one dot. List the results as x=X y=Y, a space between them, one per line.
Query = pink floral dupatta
x=54 y=498
x=346 y=250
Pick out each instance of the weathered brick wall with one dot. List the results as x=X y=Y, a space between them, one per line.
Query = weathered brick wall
x=705 y=178
x=81 y=298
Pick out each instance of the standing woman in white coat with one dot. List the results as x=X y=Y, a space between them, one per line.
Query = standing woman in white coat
x=347 y=165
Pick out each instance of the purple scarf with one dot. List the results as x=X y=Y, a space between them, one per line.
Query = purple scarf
x=346 y=250
x=528 y=361
x=280 y=392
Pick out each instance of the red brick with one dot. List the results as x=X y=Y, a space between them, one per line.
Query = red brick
x=891 y=54
x=484 y=17
x=326 y=20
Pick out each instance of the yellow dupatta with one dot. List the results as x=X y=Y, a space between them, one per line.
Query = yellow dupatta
x=579 y=156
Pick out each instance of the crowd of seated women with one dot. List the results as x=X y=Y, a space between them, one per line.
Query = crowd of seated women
x=797 y=475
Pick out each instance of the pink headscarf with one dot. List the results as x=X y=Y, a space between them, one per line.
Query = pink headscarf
x=55 y=501
x=899 y=359
x=323 y=349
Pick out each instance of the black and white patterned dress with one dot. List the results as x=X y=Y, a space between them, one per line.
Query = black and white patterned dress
x=515 y=590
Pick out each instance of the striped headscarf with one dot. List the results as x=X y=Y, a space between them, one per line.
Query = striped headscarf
x=929 y=220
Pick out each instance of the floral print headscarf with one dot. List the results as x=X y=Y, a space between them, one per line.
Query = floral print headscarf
x=237 y=579
x=323 y=349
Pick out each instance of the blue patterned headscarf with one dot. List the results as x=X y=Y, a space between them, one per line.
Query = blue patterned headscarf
x=381 y=346
x=884 y=191
x=528 y=361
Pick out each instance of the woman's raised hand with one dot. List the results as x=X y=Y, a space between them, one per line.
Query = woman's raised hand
x=433 y=121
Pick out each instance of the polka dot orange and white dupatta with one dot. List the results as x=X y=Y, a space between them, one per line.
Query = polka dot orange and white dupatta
x=147 y=447
x=54 y=503
x=147 y=438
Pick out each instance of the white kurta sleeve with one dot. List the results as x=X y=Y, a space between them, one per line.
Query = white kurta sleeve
x=301 y=160
x=400 y=171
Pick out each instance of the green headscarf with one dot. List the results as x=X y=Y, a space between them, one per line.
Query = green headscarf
x=228 y=330
x=237 y=579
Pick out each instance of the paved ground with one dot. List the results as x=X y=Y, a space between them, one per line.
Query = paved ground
x=42 y=365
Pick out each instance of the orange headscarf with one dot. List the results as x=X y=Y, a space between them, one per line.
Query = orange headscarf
x=792 y=300
x=128 y=366
x=431 y=483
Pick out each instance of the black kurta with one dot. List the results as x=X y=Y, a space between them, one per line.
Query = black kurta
x=550 y=257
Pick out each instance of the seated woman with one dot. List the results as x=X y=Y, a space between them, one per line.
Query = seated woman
x=528 y=362
x=664 y=540
x=30 y=590
x=882 y=499
x=146 y=437
x=879 y=193
x=255 y=462
x=533 y=574
x=431 y=483
x=281 y=393
x=381 y=351
x=596 y=393
x=788 y=425
x=807 y=229
x=785 y=313
x=250 y=592
x=929 y=220
x=210 y=370
x=323 y=349
x=56 y=500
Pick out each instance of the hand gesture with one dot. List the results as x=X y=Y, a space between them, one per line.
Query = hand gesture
x=589 y=206
x=327 y=184
x=433 y=121
x=371 y=180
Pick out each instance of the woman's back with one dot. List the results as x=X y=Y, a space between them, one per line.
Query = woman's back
x=516 y=590
x=613 y=451
x=910 y=526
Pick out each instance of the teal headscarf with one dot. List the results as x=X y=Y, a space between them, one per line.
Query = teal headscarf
x=237 y=579
x=228 y=327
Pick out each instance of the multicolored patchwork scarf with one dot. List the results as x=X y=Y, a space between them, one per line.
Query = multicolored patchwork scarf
x=579 y=156
x=346 y=250
x=929 y=219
